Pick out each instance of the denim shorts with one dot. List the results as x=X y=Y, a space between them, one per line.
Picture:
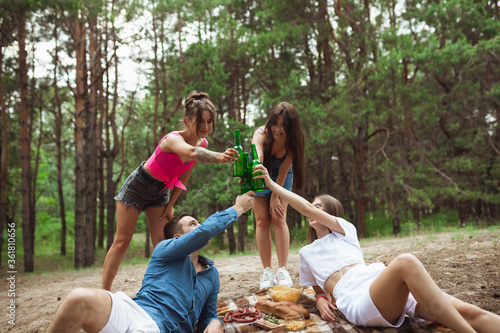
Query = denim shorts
x=141 y=190
x=275 y=169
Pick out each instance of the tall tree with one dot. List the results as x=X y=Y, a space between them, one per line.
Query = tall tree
x=77 y=29
x=25 y=138
x=6 y=29
x=58 y=131
x=91 y=140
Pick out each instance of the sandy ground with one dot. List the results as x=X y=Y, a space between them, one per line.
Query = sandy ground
x=464 y=264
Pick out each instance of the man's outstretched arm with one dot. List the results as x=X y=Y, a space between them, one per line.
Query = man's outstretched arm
x=216 y=223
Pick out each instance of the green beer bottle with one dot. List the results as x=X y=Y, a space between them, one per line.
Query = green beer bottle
x=239 y=164
x=257 y=184
x=246 y=180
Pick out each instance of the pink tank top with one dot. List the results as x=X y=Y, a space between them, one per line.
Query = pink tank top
x=168 y=167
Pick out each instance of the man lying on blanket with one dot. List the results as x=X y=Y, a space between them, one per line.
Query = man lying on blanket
x=179 y=290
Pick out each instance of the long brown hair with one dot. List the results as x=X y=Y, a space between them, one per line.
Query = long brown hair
x=331 y=206
x=294 y=140
x=195 y=104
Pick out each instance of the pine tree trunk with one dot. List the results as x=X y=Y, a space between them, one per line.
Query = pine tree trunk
x=90 y=147
x=110 y=149
x=325 y=72
x=4 y=155
x=28 y=237
x=58 y=141
x=396 y=224
x=110 y=202
x=345 y=182
x=102 y=201
x=242 y=231
x=80 y=96
x=231 y=239
x=103 y=108
x=360 y=160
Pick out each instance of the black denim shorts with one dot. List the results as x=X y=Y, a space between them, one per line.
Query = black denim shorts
x=141 y=190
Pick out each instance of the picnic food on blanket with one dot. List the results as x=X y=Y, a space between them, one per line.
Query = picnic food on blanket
x=242 y=315
x=272 y=318
x=285 y=293
x=281 y=309
x=296 y=325
x=268 y=326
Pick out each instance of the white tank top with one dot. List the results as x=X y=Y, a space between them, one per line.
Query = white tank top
x=329 y=254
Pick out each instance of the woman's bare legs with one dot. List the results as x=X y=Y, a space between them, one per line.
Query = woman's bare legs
x=389 y=292
x=155 y=224
x=263 y=233
x=481 y=320
x=126 y=220
x=281 y=237
x=263 y=230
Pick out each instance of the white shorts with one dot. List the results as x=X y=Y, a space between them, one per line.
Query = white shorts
x=353 y=299
x=128 y=317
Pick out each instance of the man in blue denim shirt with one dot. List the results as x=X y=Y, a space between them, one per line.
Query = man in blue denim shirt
x=179 y=290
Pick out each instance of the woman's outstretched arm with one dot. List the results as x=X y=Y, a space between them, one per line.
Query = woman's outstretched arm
x=176 y=144
x=298 y=203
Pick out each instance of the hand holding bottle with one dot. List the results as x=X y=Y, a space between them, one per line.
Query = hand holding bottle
x=257 y=184
x=264 y=174
x=244 y=202
x=229 y=156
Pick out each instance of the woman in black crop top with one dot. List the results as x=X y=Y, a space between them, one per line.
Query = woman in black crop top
x=280 y=144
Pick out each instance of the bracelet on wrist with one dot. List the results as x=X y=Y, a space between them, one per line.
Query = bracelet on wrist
x=317 y=299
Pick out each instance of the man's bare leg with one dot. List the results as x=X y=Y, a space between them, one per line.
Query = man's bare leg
x=82 y=308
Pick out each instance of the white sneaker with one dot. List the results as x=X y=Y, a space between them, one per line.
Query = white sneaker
x=267 y=279
x=283 y=277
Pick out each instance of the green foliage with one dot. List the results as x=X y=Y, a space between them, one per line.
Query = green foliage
x=48 y=231
x=398 y=108
x=298 y=237
x=379 y=225
x=441 y=220
x=206 y=70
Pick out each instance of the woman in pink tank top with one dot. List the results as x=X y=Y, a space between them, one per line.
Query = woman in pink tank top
x=156 y=184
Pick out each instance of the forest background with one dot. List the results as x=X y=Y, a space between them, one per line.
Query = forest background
x=399 y=103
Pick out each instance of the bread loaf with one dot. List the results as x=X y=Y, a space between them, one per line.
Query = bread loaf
x=281 y=309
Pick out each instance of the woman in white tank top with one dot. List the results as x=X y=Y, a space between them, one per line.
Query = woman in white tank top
x=371 y=295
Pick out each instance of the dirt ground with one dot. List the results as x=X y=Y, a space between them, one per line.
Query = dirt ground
x=464 y=264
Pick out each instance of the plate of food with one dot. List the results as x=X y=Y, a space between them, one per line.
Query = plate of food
x=270 y=322
x=295 y=323
x=285 y=293
x=244 y=315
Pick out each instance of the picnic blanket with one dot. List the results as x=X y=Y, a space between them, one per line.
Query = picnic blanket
x=315 y=324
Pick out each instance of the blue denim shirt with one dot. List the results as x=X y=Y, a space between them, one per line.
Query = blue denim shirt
x=172 y=293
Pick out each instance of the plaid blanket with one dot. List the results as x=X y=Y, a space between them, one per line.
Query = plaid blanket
x=315 y=324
